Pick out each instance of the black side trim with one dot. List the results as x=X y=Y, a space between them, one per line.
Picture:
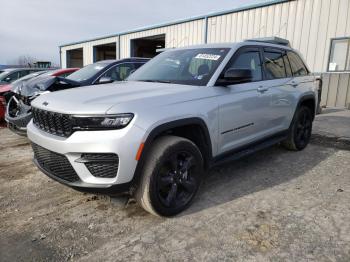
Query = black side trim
x=250 y=148
x=167 y=126
x=237 y=128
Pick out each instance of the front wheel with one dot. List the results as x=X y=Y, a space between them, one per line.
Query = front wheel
x=300 y=131
x=171 y=176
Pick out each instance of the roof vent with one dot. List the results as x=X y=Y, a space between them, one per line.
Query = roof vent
x=272 y=40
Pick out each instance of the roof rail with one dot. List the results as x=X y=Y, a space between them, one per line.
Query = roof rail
x=160 y=50
x=272 y=40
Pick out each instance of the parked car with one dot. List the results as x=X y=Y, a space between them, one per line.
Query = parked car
x=18 y=112
x=2 y=108
x=7 y=91
x=10 y=75
x=17 y=88
x=183 y=112
x=6 y=94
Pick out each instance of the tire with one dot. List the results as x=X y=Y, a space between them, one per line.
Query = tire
x=171 y=176
x=300 y=130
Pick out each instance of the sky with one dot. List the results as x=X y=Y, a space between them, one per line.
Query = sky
x=37 y=27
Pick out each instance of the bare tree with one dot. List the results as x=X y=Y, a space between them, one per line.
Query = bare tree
x=25 y=60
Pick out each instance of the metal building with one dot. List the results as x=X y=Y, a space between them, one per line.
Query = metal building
x=319 y=29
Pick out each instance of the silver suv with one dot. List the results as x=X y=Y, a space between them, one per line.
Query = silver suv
x=181 y=113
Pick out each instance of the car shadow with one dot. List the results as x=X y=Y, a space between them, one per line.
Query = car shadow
x=262 y=170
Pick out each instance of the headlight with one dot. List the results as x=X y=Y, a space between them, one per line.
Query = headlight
x=102 y=122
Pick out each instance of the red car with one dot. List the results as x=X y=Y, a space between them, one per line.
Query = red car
x=5 y=89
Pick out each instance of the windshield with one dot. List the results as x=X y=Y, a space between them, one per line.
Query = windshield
x=87 y=72
x=184 y=66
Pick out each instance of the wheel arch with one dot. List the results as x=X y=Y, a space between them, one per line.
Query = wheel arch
x=179 y=128
x=308 y=100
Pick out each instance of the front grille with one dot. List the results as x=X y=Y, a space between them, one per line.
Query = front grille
x=53 y=123
x=55 y=164
x=20 y=121
x=101 y=164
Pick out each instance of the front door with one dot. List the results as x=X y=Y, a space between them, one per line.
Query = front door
x=242 y=106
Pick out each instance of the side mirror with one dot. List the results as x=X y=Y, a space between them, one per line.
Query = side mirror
x=235 y=76
x=105 y=80
x=7 y=79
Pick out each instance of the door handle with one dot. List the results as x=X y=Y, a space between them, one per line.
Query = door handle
x=262 y=89
x=294 y=84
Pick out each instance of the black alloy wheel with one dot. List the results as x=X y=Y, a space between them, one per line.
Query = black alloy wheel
x=177 y=183
x=303 y=129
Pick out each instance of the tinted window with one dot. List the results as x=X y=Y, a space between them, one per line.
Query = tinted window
x=23 y=73
x=138 y=65
x=249 y=60
x=120 y=72
x=87 y=72
x=287 y=65
x=9 y=78
x=298 y=67
x=182 y=66
x=274 y=65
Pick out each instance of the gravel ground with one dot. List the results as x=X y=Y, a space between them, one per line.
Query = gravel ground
x=274 y=205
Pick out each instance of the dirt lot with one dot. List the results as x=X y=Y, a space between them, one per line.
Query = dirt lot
x=275 y=205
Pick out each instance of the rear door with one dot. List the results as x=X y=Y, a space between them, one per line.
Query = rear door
x=302 y=81
x=278 y=80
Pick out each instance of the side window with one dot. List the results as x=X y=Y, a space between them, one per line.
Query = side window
x=287 y=65
x=12 y=77
x=298 y=67
x=119 y=72
x=138 y=65
x=248 y=60
x=23 y=73
x=274 y=65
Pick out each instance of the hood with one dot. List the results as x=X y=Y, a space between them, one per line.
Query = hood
x=39 y=84
x=118 y=97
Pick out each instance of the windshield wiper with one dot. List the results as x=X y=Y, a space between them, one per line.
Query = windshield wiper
x=157 y=81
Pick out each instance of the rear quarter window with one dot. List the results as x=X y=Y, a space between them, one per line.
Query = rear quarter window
x=274 y=65
x=297 y=65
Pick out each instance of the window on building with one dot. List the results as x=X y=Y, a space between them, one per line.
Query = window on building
x=339 y=58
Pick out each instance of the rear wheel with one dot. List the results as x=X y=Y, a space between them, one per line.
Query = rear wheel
x=300 y=132
x=171 y=176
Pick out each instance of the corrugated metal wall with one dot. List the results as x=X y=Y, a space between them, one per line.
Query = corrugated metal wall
x=307 y=24
x=184 y=34
x=88 y=47
x=336 y=90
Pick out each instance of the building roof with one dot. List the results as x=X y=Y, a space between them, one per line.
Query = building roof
x=194 y=18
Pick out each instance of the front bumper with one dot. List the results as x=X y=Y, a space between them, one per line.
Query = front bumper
x=18 y=124
x=123 y=142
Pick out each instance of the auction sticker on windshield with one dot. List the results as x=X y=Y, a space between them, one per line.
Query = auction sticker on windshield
x=208 y=56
